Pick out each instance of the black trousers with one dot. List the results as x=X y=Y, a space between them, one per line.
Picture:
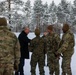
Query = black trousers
x=21 y=65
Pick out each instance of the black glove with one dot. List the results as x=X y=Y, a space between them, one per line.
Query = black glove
x=15 y=66
x=57 y=55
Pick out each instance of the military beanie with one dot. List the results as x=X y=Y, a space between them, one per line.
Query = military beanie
x=37 y=32
x=3 y=22
x=50 y=27
x=66 y=26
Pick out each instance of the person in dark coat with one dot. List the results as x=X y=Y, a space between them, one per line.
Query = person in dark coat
x=23 y=40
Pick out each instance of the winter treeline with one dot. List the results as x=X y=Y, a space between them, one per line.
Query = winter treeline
x=20 y=14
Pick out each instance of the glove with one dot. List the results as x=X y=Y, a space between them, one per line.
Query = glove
x=57 y=55
x=15 y=66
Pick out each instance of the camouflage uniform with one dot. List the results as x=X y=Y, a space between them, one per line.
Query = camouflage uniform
x=45 y=50
x=52 y=44
x=9 y=51
x=67 y=49
x=37 y=45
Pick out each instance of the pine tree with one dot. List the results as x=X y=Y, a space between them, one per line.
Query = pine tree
x=74 y=3
x=74 y=14
x=9 y=7
x=2 y=7
x=27 y=13
x=63 y=12
x=45 y=17
x=52 y=13
x=37 y=12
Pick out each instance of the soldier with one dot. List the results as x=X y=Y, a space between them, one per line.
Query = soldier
x=43 y=37
x=67 y=49
x=52 y=44
x=9 y=50
x=37 y=45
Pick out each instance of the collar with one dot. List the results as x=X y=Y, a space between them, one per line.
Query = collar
x=4 y=28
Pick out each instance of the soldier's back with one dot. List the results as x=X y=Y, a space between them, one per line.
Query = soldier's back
x=38 y=45
x=7 y=44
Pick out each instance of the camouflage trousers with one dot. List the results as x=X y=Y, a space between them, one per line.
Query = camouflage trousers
x=34 y=61
x=6 y=69
x=53 y=64
x=66 y=66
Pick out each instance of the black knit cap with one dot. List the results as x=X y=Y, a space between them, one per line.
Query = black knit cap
x=66 y=26
x=3 y=21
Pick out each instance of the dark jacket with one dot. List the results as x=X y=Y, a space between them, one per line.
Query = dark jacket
x=24 y=40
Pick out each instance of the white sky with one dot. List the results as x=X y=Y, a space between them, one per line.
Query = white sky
x=49 y=1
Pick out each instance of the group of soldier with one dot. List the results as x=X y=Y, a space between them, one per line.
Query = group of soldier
x=50 y=44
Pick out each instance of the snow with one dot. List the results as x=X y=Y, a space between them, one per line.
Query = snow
x=27 y=61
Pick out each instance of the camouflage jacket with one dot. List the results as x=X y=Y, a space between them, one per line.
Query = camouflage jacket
x=52 y=43
x=37 y=46
x=9 y=46
x=67 y=44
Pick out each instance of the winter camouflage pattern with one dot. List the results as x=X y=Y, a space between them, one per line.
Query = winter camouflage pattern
x=9 y=51
x=37 y=45
x=67 y=50
x=52 y=44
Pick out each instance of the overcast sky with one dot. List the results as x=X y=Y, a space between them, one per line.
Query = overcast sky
x=49 y=1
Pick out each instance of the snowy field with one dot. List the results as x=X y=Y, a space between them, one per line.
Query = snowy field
x=27 y=61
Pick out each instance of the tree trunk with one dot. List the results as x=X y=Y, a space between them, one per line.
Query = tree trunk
x=9 y=9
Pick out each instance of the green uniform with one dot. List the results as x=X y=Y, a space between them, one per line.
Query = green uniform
x=52 y=44
x=67 y=50
x=9 y=51
x=37 y=45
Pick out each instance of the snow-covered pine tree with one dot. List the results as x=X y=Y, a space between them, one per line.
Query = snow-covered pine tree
x=10 y=7
x=73 y=16
x=38 y=11
x=52 y=13
x=63 y=11
x=44 y=19
x=2 y=8
x=27 y=13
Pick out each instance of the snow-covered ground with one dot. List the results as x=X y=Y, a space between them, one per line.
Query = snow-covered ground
x=27 y=61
